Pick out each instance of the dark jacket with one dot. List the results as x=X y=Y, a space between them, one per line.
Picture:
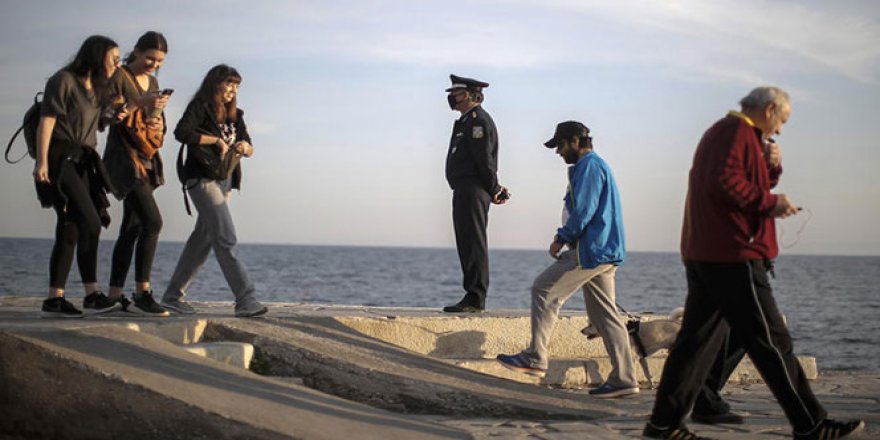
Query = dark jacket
x=727 y=210
x=473 y=151
x=198 y=120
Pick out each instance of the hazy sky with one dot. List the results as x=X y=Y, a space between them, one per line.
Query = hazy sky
x=346 y=107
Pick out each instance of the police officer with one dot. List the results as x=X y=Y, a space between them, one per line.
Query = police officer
x=471 y=170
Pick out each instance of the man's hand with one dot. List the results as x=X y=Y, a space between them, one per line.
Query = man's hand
x=772 y=153
x=784 y=207
x=501 y=197
x=555 y=248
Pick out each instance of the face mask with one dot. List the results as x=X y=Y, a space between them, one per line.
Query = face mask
x=450 y=98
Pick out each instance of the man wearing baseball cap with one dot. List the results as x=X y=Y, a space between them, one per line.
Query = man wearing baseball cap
x=592 y=230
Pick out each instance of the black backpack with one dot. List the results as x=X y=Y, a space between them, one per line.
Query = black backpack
x=29 y=126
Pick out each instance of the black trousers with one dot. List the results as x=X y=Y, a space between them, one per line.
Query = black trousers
x=709 y=400
x=78 y=229
x=138 y=235
x=735 y=297
x=470 y=216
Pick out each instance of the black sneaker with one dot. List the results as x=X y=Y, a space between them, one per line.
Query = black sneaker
x=96 y=302
x=123 y=301
x=59 y=308
x=831 y=429
x=680 y=433
x=144 y=304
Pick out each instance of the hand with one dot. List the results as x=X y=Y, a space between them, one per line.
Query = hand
x=153 y=100
x=161 y=101
x=243 y=148
x=501 y=197
x=122 y=113
x=784 y=207
x=155 y=123
x=772 y=153
x=555 y=248
x=221 y=146
x=41 y=172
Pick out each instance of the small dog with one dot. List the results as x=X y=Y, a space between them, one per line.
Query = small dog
x=647 y=337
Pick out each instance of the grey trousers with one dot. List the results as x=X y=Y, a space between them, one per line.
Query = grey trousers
x=555 y=286
x=214 y=230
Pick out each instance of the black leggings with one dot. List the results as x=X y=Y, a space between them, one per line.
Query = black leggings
x=78 y=228
x=138 y=235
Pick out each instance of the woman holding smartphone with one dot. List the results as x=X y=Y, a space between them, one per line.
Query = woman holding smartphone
x=136 y=171
x=212 y=127
x=69 y=174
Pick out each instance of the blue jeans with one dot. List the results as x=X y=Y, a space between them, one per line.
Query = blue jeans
x=214 y=230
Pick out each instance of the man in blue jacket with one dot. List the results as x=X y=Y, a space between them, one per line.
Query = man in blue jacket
x=593 y=232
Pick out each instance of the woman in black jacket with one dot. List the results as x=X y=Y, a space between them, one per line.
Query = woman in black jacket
x=69 y=174
x=135 y=168
x=213 y=129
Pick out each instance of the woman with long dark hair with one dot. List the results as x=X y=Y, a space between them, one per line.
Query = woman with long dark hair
x=69 y=174
x=213 y=129
x=135 y=168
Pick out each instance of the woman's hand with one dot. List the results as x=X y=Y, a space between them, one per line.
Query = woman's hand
x=154 y=100
x=41 y=172
x=222 y=147
x=122 y=113
x=243 y=148
x=155 y=123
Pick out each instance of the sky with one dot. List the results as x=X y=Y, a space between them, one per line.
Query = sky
x=345 y=103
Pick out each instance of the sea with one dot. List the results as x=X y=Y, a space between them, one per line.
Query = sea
x=832 y=303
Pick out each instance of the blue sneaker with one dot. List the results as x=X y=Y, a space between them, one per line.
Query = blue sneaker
x=606 y=391
x=518 y=363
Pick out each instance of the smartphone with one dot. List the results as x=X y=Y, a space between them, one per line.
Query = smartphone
x=167 y=92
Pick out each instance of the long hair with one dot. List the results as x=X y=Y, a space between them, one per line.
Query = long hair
x=149 y=40
x=209 y=93
x=89 y=61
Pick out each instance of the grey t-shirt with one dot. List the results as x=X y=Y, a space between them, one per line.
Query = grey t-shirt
x=75 y=109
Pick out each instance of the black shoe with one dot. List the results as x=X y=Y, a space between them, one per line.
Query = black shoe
x=144 y=304
x=96 y=302
x=714 y=419
x=123 y=301
x=59 y=308
x=680 y=433
x=463 y=307
x=831 y=429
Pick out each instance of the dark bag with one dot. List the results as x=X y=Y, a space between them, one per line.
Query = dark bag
x=215 y=167
x=29 y=127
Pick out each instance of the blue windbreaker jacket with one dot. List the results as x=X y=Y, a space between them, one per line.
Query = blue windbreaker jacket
x=595 y=222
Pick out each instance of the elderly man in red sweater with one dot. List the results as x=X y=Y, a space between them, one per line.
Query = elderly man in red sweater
x=728 y=242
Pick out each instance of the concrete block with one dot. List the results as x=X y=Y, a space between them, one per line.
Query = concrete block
x=578 y=373
x=480 y=336
x=188 y=331
x=236 y=354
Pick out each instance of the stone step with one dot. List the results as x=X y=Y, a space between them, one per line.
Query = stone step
x=579 y=373
x=236 y=354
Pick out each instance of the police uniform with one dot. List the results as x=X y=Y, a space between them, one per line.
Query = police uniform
x=471 y=170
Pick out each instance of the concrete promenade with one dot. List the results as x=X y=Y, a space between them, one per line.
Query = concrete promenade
x=311 y=371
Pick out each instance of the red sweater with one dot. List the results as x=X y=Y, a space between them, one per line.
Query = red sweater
x=726 y=217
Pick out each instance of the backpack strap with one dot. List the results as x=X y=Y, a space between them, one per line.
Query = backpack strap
x=9 y=147
x=17 y=132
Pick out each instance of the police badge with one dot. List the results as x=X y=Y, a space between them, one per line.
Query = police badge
x=478 y=132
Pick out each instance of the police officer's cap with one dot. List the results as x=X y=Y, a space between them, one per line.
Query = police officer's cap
x=460 y=82
x=567 y=130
